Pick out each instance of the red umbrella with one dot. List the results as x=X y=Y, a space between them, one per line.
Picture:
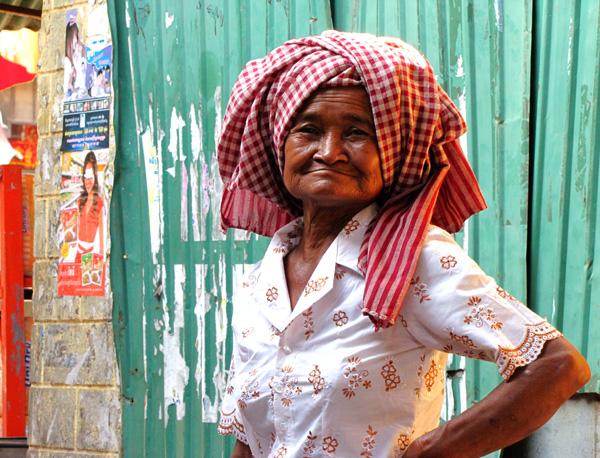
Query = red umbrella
x=11 y=74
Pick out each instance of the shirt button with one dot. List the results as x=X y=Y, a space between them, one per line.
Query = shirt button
x=279 y=388
x=287 y=349
x=283 y=426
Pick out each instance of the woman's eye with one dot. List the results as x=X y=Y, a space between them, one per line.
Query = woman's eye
x=357 y=131
x=307 y=130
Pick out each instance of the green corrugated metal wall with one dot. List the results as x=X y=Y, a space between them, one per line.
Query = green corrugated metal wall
x=172 y=273
x=565 y=242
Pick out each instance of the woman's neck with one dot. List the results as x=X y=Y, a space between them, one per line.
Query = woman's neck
x=321 y=227
x=90 y=200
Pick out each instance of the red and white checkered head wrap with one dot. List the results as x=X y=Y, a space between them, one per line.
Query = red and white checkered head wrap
x=425 y=173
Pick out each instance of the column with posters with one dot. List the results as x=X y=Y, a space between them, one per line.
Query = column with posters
x=85 y=142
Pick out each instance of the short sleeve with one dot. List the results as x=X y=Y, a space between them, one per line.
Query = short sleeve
x=229 y=422
x=453 y=306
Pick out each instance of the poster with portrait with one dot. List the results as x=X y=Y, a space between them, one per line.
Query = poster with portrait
x=86 y=98
x=83 y=218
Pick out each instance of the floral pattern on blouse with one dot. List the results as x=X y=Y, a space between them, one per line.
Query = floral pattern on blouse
x=318 y=381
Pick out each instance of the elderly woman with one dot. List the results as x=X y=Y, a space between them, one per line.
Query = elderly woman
x=344 y=149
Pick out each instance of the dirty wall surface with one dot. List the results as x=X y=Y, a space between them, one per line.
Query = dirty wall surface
x=75 y=408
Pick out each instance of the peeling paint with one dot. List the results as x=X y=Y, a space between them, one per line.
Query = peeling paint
x=168 y=20
x=196 y=147
x=221 y=327
x=175 y=368
x=581 y=163
x=184 y=203
x=196 y=226
x=196 y=133
x=217 y=185
x=206 y=189
x=144 y=337
x=200 y=313
x=175 y=134
x=154 y=190
x=218 y=115
x=215 y=189
x=460 y=70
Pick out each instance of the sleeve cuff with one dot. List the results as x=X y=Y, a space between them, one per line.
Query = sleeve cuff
x=536 y=335
x=229 y=424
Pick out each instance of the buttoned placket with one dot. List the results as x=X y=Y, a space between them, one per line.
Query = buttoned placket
x=286 y=377
x=278 y=312
x=283 y=385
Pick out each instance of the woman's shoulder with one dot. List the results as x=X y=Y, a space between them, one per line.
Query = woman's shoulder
x=442 y=254
x=438 y=239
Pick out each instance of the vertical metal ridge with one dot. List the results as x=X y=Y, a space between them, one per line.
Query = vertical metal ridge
x=186 y=56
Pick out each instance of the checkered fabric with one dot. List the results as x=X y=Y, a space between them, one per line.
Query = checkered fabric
x=425 y=173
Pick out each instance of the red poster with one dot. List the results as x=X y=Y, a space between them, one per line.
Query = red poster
x=81 y=268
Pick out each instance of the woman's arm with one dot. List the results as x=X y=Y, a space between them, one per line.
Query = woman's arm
x=241 y=450
x=512 y=411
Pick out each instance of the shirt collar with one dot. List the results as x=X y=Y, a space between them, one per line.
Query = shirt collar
x=350 y=238
x=272 y=287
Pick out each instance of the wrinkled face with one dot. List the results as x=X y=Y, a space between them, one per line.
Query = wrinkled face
x=88 y=178
x=331 y=152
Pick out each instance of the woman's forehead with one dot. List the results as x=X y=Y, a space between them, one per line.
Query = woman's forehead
x=338 y=98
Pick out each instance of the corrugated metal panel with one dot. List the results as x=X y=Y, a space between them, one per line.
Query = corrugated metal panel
x=564 y=237
x=172 y=271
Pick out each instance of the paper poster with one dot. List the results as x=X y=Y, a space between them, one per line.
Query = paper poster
x=86 y=102
x=81 y=267
x=85 y=142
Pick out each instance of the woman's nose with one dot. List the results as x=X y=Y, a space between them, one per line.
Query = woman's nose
x=331 y=149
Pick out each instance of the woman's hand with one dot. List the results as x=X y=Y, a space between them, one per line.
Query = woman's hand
x=241 y=450
x=512 y=411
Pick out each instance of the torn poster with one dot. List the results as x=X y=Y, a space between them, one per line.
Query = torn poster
x=86 y=102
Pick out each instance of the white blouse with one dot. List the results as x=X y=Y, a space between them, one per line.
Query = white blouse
x=319 y=381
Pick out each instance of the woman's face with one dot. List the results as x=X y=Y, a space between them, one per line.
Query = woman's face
x=331 y=152
x=88 y=178
x=75 y=43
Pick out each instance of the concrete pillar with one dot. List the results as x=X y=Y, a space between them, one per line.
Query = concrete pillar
x=74 y=407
